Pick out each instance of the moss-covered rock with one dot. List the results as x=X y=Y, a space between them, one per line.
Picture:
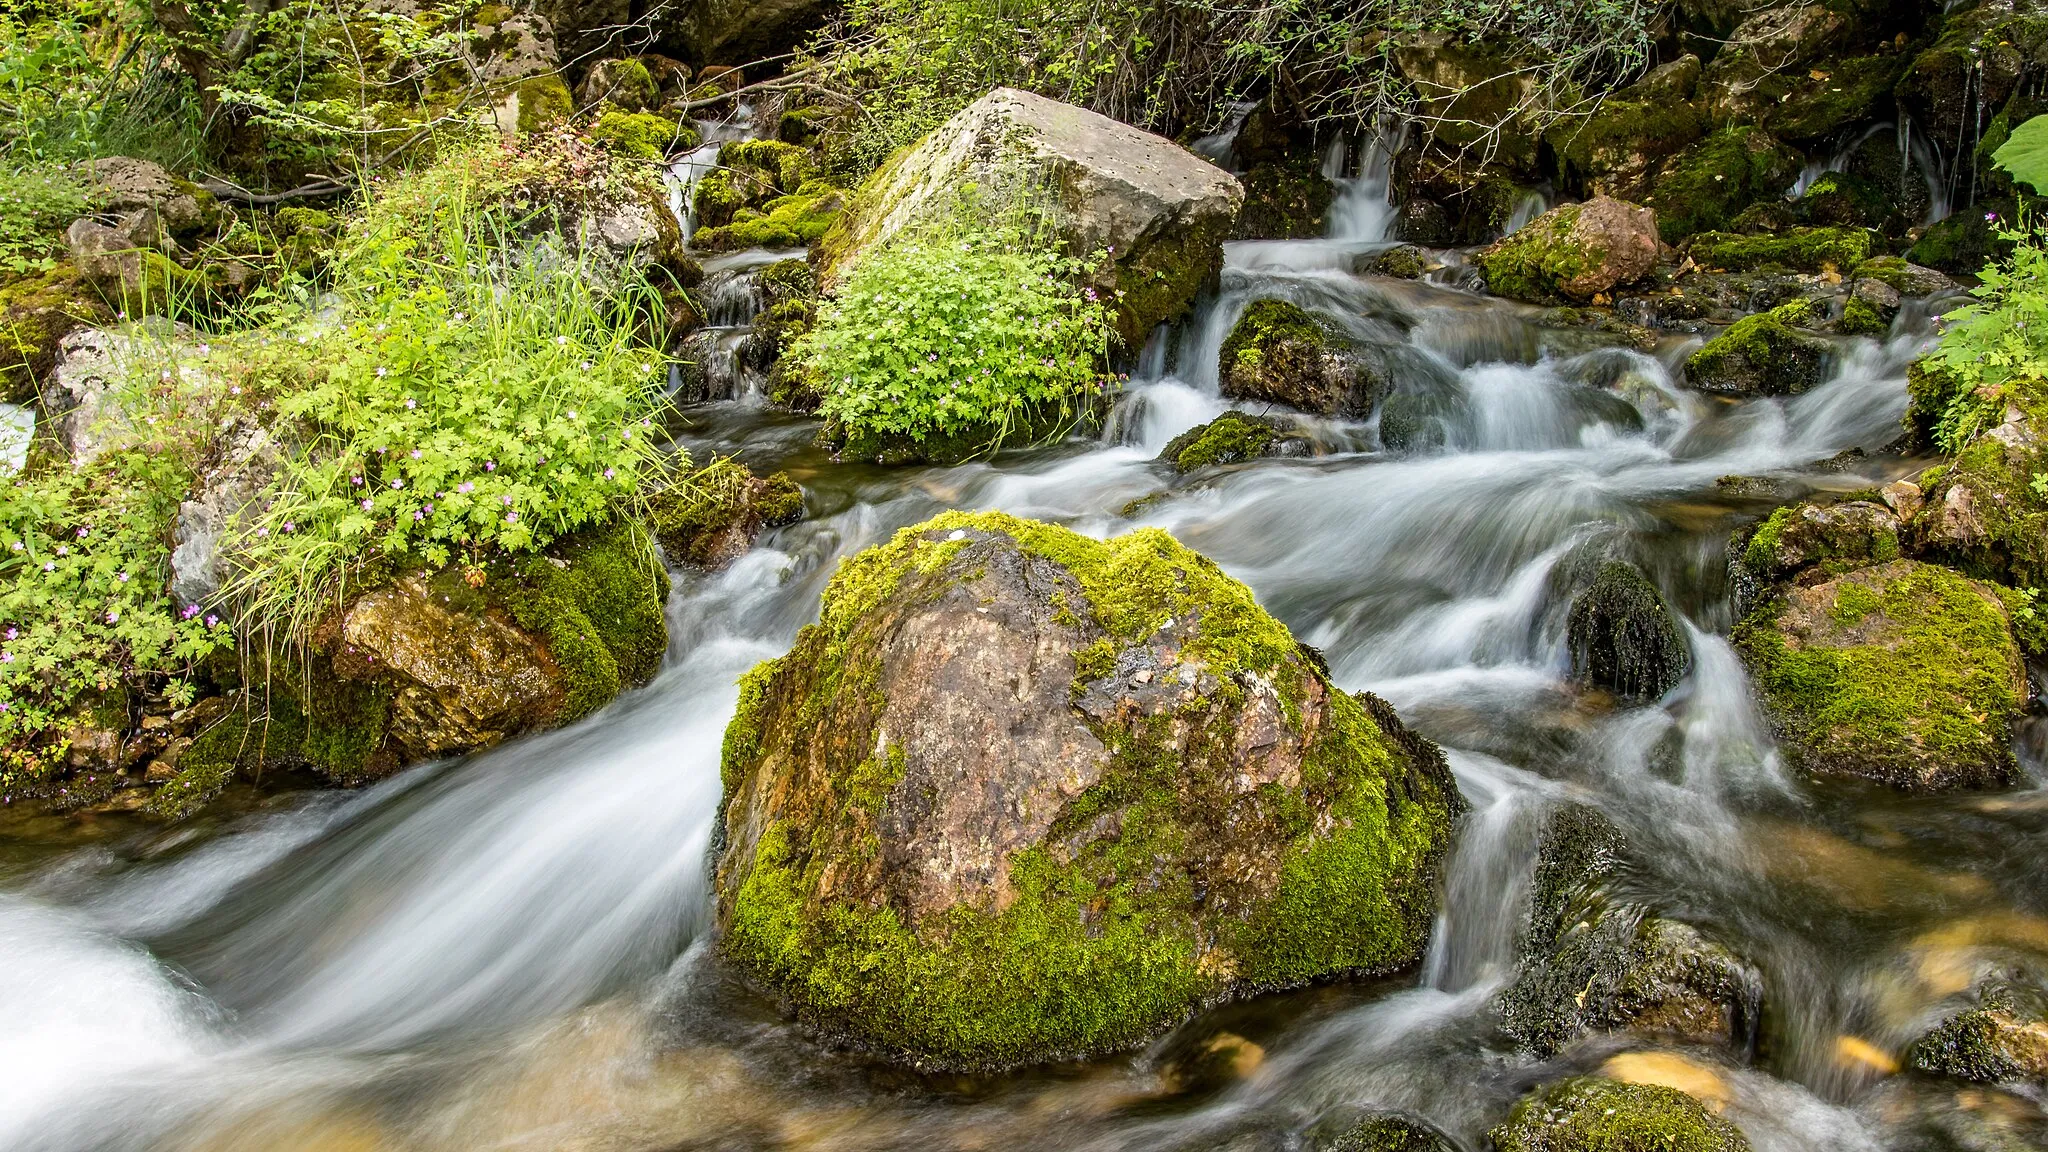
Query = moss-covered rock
x=1964 y=241
x=1278 y=352
x=1590 y=961
x=1020 y=794
x=793 y=221
x=641 y=135
x=1808 y=105
x=1617 y=148
x=1593 y=1114
x=1902 y=276
x=1831 y=538
x=2002 y=1039
x=36 y=314
x=1402 y=262
x=1903 y=673
x=1984 y=510
x=1703 y=188
x=1232 y=438
x=1284 y=200
x=1797 y=250
x=534 y=104
x=1388 y=1133
x=713 y=516
x=1862 y=317
x=624 y=83
x=1842 y=199
x=1575 y=252
x=1763 y=355
x=1623 y=638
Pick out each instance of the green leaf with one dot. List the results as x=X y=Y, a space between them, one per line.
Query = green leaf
x=2024 y=154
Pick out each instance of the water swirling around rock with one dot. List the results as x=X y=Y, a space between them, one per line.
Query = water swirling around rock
x=511 y=949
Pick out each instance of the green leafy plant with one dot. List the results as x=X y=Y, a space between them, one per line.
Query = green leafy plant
x=971 y=328
x=2002 y=337
x=2024 y=155
x=35 y=206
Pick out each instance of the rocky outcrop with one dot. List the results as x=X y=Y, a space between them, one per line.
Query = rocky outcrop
x=36 y=314
x=1703 y=188
x=1902 y=673
x=1020 y=794
x=1812 y=250
x=1763 y=355
x=1279 y=353
x=82 y=404
x=120 y=185
x=1591 y=961
x=1623 y=638
x=712 y=517
x=240 y=466
x=1982 y=509
x=1575 y=252
x=1590 y=1112
x=1232 y=438
x=1615 y=149
x=1159 y=212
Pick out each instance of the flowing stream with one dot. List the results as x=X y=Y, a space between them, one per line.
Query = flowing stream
x=512 y=950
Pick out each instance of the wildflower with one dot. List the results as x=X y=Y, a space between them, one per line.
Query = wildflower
x=511 y=517
x=418 y=515
x=213 y=621
x=368 y=504
x=84 y=531
x=397 y=484
x=626 y=435
x=123 y=577
x=289 y=526
x=508 y=501
x=49 y=566
x=490 y=465
x=561 y=341
x=204 y=349
x=16 y=546
x=234 y=389
x=415 y=453
x=263 y=532
x=190 y=611
x=62 y=550
x=165 y=376
x=114 y=617
x=465 y=486
x=608 y=473
x=10 y=633
x=356 y=480
x=572 y=413
x=584 y=367
x=6 y=657
x=382 y=372
x=1991 y=217
x=411 y=403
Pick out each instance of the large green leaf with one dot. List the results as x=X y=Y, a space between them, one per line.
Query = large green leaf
x=2025 y=153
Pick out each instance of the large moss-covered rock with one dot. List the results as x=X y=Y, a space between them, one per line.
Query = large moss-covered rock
x=1763 y=355
x=1797 y=250
x=1616 y=149
x=1592 y=961
x=1903 y=673
x=1828 y=538
x=1574 y=252
x=1158 y=211
x=1593 y=1114
x=2002 y=1039
x=1703 y=188
x=1020 y=794
x=1983 y=510
x=1232 y=438
x=1280 y=353
x=1623 y=638
x=1471 y=96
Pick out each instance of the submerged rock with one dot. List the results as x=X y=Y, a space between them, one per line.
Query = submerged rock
x=1280 y=353
x=1161 y=213
x=1575 y=252
x=1590 y=1113
x=1232 y=438
x=1591 y=961
x=1021 y=795
x=1902 y=673
x=1763 y=355
x=1623 y=638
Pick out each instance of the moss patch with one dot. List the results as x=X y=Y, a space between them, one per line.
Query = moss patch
x=1284 y=201
x=1623 y=637
x=1903 y=673
x=1763 y=355
x=1703 y=188
x=1798 y=250
x=641 y=135
x=1592 y=1114
x=1531 y=263
x=786 y=222
x=1231 y=438
x=599 y=609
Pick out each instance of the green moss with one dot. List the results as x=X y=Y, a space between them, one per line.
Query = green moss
x=1799 y=250
x=1860 y=319
x=1809 y=104
x=786 y=222
x=1592 y=1114
x=1705 y=186
x=1231 y=438
x=1623 y=638
x=2003 y=1040
x=786 y=167
x=1099 y=947
x=1963 y=242
x=600 y=611
x=36 y=313
x=541 y=102
x=1532 y=263
x=1387 y=1134
x=641 y=135
x=1276 y=351
x=1931 y=391
x=1913 y=678
x=1840 y=199
x=1762 y=354
x=1610 y=146
x=695 y=518
x=2010 y=514
x=1284 y=201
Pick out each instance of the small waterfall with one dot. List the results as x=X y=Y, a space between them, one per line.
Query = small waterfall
x=1363 y=209
x=1837 y=161
x=1219 y=147
x=1533 y=204
x=1917 y=153
x=686 y=172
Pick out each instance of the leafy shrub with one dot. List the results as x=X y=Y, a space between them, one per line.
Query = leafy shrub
x=2003 y=337
x=35 y=206
x=968 y=329
x=90 y=78
x=84 y=562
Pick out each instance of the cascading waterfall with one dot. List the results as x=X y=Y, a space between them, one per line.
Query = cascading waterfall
x=510 y=950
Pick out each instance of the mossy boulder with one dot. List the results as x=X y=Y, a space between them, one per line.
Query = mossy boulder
x=2003 y=1039
x=119 y=185
x=1402 y=262
x=1232 y=438
x=1021 y=795
x=792 y=221
x=1594 y=1114
x=622 y=82
x=1388 y=1133
x=1828 y=539
x=1284 y=200
x=1623 y=637
x=1574 y=252
x=1983 y=510
x=533 y=104
x=1616 y=149
x=1592 y=961
x=1703 y=188
x=36 y=313
x=1842 y=199
x=1903 y=673
x=1796 y=250
x=641 y=135
x=1962 y=242
x=1763 y=355
x=1902 y=276
x=712 y=517
x=1157 y=213
x=1869 y=310
x=1279 y=353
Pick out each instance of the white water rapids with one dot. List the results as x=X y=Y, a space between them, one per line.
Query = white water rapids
x=509 y=951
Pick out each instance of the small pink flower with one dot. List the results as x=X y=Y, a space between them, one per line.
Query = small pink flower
x=263 y=532
x=418 y=516
x=411 y=403
x=234 y=390
x=415 y=453
x=123 y=577
x=213 y=621
x=6 y=657
x=84 y=532
x=113 y=617
x=190 y=611
x=356 y=480
x=368 y=504
x=397 y=484
x=289 y=526
x=608 y=473
x=465 y=486
x=511 y=517
x=490 y=465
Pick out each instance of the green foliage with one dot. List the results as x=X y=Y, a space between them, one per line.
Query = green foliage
x=35 y=206
x=2001 y=338
x=965 y=330
x=2025 y=154
x=84 y=559
x=90 y=78
x=1176 y=68
x=468 y=403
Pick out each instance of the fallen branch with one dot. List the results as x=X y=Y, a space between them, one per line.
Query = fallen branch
x=318 y=189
